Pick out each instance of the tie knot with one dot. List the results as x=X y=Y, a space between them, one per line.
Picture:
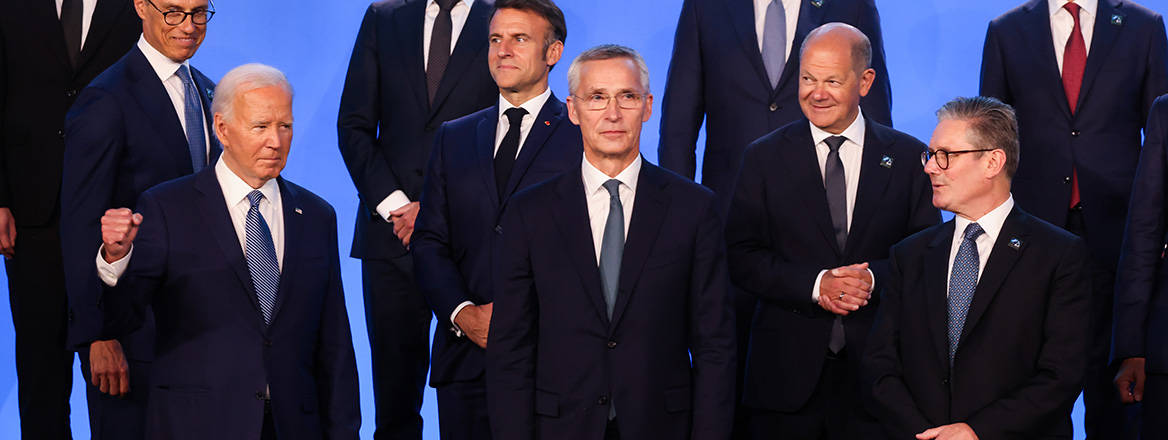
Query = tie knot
x=972 y=231
x=1073 y=8
x=834 y=143
x=515 y=115
x=613 y=187
x=445 y=5
x=254 y=197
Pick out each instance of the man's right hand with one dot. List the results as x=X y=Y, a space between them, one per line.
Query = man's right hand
x=7 y=233
x=1129 y=380
x=118 y=229
x=108 y=368
x=475 y=321
x=845 y=289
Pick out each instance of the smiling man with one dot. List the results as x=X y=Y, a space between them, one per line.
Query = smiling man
x=143 y=121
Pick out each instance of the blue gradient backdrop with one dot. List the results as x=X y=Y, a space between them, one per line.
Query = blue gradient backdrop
x=933 y=49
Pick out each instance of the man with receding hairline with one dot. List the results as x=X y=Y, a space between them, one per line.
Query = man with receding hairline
x=818 y=203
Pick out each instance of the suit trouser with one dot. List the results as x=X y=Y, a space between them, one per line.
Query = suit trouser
x=835 y=410
x=744 y=304
x=462 y=411
x=1155 y=407
x=1105 y=418
x=118 y=418
x=44 y=367
x=397 y=319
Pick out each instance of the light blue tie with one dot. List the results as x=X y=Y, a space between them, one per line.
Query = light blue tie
x=962 y=283
x=261 y=257
x=612 y=245
x=193 y=107
x=774 y=41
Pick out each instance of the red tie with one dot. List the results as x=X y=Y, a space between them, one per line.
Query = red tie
x=1074 y=62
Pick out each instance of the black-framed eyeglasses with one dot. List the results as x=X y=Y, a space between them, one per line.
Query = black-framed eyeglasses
x=941 y=157
x=599 y=101
x=174 y=18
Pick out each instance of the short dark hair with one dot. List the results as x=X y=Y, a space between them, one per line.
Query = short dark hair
x=544 y=8
x=992 y=124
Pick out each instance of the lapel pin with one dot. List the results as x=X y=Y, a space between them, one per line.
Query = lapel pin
x=1016 y=243
x=298 y=211
x=817 y=3
x=548 y=123
x=886 y=162
x=1117 y=19
x=210 y=93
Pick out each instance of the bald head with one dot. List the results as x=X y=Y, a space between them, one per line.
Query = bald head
x=840 y=37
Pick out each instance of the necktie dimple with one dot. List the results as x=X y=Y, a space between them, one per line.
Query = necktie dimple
x=71 y=25
x=962 y=283
x=612 y=245
x=835 y=185
x=508 y=149
x=438 y=55
x=260 y=252
x=193 y=109
x=774 y=41
x=1074 y=62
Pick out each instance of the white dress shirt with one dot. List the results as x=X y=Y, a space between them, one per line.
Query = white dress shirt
x=791 y=7
x=991 y=223
x=458 y=14
x=235 y=192
x=167 y=70
x=87 y=7
x=598 y=197
x=1062 y=23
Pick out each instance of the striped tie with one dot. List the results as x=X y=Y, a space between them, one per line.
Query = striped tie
x=261 y=257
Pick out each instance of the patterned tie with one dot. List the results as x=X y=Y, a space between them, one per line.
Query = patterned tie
x=1074 y=62
x=71 y=12
x=612 y=245
x=439 y=55
x=774 y=41
x=505 y=157
x=193 y=107
x=836 y=187
x=261 y=257
x=962 y=283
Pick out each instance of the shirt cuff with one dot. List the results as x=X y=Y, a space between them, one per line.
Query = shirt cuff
x=454 y=314
x=111 y=272
x=815 y=287
x=392 y=202
x=872 y=288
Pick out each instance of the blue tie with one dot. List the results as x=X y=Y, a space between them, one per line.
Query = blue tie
x=774 y=41
x=261 y=257
x=193 y=107
x=962 y=283
x=612 y=245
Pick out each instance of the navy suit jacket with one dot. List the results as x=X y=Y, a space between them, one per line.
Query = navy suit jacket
x=780 y=236
x=1127 y=68
x=455 y=239
x=386 y=124
x=717 y=73
x=1020 y=364
x=215 y=354
x=1141 y=300
x=122 y=136
x=555 y=361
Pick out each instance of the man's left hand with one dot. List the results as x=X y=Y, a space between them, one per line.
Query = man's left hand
x=956 y=431
x=403 y=222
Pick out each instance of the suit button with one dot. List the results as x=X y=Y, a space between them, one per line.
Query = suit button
x=1067 y=179
x=1075 y=133
x=70 y=93
x=602 y=400
x=499 y=229
x=945 y=382
x=773 y=107
x=267 y=342
x=259 y=395
x=611 y=344
x=61 y=134
x=70 y=316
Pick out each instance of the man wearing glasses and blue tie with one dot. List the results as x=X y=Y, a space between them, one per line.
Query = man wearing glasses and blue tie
x=143 y=121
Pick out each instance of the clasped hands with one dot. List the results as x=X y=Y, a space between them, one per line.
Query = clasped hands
x=845 y=289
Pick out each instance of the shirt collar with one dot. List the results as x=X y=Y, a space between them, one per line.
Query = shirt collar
x=164 y=67
x=235 y=190
x=533 y=105
x=991 y=222
x=854 y=132
x=594 y=178
x=1087 y=6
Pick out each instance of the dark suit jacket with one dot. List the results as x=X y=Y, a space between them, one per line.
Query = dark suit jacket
x=215 y=355
x=455 y=240
x=1141 y=302
x=780 y=237
x=122 y=137
x=387 y=125
x=37 y=86
x=1127 y=68
x=717 y=73
x=1023 y=351
x=555 y=361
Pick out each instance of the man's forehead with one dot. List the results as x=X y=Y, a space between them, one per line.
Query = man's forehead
x=610 y=74
x=181 y=4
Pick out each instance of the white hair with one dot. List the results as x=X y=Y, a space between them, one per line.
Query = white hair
x=244 y=79
x=607 y=52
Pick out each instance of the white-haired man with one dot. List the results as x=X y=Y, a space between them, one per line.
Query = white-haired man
x=242 y=271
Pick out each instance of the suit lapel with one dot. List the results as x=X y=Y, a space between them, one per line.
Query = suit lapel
x=104 y=15
x=206 y=94
x=649 y=209
x=571 y=219
x=1001 y=262
x=1102 y=40
x=742 y=15
x=936 y=290
x=1036 y=32
x=219 y=226
x=149 y=92
x=409 y=26
x=810 y=17
x=550 y=117
x=798 y=155
x=471 y=41
x=874 y=178
x=293 y=227
x=485 y=150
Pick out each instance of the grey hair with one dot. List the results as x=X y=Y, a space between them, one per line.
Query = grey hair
x=607 y=52
x=861 y=46
x=992 y=124
x=244 y=79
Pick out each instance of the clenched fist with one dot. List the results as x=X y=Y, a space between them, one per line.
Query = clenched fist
x=118 y=229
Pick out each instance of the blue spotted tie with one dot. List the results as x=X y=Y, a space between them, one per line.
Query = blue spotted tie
x=193 y=107
x=261 y=257
x=962 y=283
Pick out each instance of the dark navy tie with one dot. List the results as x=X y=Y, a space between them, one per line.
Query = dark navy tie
x=193 y=107
x=774 y=41
x=612 y=245
x=508 y=149
x=962 y=283
x=836 y=187
x=261 y=257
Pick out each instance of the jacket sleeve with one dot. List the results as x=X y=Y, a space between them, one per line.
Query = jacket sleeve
x=437 y=274
x=878 y=104
x=683 y=108
x=336 y=367
x=125 y=305
x=994 y=82
x=1156 y=77
x=712 y=333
